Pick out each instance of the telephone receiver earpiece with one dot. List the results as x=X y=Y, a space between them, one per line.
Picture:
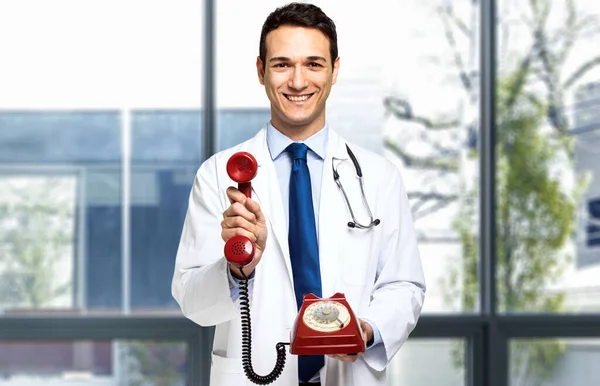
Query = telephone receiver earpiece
x=242 y=168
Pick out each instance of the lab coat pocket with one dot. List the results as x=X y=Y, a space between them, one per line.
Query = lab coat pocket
x=226 y=371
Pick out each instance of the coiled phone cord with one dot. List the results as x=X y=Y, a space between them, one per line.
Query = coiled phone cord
x=247 y=342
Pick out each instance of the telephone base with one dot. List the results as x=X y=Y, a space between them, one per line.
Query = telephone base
x=326 y=326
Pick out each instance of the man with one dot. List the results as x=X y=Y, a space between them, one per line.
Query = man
x=297 y=217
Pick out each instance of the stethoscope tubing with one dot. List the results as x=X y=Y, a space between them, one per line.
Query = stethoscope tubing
x=336 y=177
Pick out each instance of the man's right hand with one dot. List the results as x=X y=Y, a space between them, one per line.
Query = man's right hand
x=244 y=218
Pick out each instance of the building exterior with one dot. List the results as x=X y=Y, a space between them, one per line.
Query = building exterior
x=587 y=153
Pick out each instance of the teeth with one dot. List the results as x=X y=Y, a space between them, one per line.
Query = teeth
x=297 y=98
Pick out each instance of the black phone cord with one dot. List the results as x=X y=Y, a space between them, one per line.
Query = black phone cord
x=247 y=342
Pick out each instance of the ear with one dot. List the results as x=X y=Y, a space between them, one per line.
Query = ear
x=336 y=68
x=260 y=70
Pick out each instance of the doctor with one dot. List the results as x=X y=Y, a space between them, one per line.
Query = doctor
x=298 y=218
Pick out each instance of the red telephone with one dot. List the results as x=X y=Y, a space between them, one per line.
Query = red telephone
x=323 y=326
x=326 y=326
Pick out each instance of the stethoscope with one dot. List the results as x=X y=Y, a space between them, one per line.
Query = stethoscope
x=336 y=177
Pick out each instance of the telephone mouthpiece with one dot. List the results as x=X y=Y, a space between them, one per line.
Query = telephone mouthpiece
x=239 y=250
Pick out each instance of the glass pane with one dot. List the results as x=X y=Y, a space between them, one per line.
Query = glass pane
x=414 y=104
x=37 y=235
x=80 y=63
x=110 y=130
x=60 y=221
x=432 y=107
x=242 y=105
x=414 y=363
x=550 y=362
x=548 y=156
x=165 y=156
x=94 y=363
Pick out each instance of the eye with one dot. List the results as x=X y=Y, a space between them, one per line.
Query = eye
x=314 y=64
x=281 y=65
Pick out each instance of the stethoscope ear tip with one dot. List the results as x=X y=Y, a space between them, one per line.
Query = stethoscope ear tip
x=376 y=222
x=351 y=224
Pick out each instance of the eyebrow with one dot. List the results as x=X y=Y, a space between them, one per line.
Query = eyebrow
x=286 y=59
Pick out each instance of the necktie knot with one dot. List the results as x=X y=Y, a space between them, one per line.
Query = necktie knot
x=297 y=151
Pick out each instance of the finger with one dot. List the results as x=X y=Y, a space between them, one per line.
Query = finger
x=227 y=234
x=345 y=358
x=253 y=207
x=239 y=210
x=235 y=195
x=238 y=222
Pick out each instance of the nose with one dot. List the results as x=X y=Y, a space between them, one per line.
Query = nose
x=297 y=80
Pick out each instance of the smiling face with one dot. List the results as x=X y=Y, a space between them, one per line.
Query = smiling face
x=297 y=74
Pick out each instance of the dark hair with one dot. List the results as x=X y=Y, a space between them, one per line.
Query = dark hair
x=299 y=15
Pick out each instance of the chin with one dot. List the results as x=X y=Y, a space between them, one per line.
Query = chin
x=298 y=121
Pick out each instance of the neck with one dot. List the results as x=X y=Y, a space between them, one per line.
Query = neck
x=299 y=132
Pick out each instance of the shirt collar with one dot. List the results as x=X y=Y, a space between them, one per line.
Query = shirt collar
x=278 y=142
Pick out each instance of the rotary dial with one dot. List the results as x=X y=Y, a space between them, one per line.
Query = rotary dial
x=326 y=316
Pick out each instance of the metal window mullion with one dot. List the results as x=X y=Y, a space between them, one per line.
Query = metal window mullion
x=81 y=287
x=125 y=211
x=487 y=159
x=209 y=90
x=200 y=347
x=199 y=357
x=474 y=366
x=95 y=328
x=494 y=355
x=494 y=345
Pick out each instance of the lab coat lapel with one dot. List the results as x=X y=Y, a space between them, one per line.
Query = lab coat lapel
x=332 y=216
x=265 y=190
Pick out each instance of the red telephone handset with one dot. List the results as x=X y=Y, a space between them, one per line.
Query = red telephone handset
x=242 y=168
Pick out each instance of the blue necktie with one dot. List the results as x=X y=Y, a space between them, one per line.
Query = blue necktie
x=304 y=250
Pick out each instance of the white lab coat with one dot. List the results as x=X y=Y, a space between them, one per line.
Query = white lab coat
x=379 y=270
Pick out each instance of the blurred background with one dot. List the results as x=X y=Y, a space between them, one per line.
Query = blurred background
x=491 y=109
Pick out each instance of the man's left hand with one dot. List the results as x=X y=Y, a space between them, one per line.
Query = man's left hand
x=367 y=335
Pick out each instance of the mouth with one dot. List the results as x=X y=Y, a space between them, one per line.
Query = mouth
x=298 y=98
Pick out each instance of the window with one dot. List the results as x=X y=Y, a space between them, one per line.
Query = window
x=593 y=223
x=93 y=362
x=101 y=132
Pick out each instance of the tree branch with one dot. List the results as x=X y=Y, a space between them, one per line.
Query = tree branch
x=435 y=207
x=519 y=81
x=570 y=32
x=556 y=111
x=402 y=110
x=447 y=164
x=431 y=196
x=581 y=71
x=446 y=14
